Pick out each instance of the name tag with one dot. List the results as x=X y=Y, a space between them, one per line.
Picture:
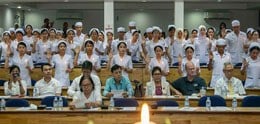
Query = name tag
x=195 y=85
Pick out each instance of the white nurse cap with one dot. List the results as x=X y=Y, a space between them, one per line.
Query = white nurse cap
x=221 y=42
x=235 y=23
x=78 y=24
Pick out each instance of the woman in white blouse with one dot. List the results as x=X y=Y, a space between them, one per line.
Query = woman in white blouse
x=160 y=61
x=15 y=86
x=157 y=86
x=87 y=97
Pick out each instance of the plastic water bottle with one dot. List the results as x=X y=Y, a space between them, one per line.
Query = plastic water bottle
x=35 y=92
x=203 y=91
x=60 y=104
x=234 y=103
x=186 y=102
x=2 y=105
x=150 y=93
x=112 y=102
x=55 y=104
x=208 y=103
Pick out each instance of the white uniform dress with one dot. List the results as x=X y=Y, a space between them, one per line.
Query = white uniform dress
x=28 y=41
x=135 y=49
x=48 y=89
x=126 y=62
x=114 y=45
x=79 y=39
x=14 y=46
x=3 y=49
x=41 y=50
x=74 y=87
x=252 y=73
x=235 y=46
x=165 y=88
x=15 y=90
x=94 y=59
x=70 y=48
x=163 y=64
x=98 y=45
x=26 y=60
x=61 y=65
x=221 y=87
x=218 y=65
x=177 y=49
x=79 y=99
x=150 y=47
x=195 y=61
x=203 y=49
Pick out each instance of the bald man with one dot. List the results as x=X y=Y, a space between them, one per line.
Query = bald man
x=190 y=84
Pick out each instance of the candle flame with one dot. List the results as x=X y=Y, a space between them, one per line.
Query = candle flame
x=145 y=118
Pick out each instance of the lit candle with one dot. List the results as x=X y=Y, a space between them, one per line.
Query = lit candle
x=145 y=117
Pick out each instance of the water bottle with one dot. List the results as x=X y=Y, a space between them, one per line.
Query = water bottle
x=208 y=103
x=55 y=104
x=186 y=102
x=112 y=102
x=150 y=92
x=60 y=104
x=234 y=103
x=35 y=92
x=129 y=93
x=2 y=105
x=203 y=91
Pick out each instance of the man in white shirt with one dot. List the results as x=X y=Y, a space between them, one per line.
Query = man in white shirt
x=235 y=41
x=86 y=72
x=79 y=37
x=48 y=86
x=229 y=85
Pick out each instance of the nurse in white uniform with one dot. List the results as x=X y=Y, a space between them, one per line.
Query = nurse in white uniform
x=169 y=41
x=177 y=45
x=160 y=61
x=154 y=42
x=251 y=66
x=42 y=47
x=88 y=55
x=121 y=38
x=217 y=60
x=28 y=38
x=203 y=47
x=5 y=45
x=235 y=41
x=189 y=57
x=122 y=59
x=71 y=44
x=22 y=60
x=18 y=38
x=135 y=48
x=63 y=64
x=79 y=37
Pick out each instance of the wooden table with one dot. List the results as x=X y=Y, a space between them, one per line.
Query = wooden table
x=149 y=100
x=198 y=116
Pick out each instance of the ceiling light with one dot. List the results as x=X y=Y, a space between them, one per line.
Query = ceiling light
x=19 y=7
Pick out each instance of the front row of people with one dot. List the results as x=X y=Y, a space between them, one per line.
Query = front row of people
x=86 y=89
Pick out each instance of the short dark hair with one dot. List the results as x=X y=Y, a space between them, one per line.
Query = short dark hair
x=156 y=68
x=87 y=65
x=115 y=67
x=158 y=46
x=120 y=44
x=82 y=79
x=14 y=67
x=45 y=64
x=172 y=29
x=21 y=43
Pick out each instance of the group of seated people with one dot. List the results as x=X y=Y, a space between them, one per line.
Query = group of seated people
x=21 y=51
x=86 y=88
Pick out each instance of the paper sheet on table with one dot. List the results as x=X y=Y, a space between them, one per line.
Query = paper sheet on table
x=129 y=108
x=170 y=108
x=92 y=109
x=4 y=97
x=163 y=96
x=188 y=108
x=117 y=93
x=220 y=109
